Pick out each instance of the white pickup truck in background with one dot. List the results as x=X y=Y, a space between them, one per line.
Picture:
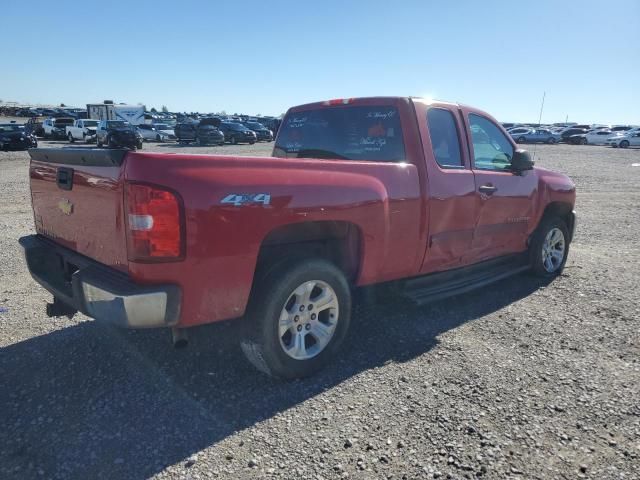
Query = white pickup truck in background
x=83 y=129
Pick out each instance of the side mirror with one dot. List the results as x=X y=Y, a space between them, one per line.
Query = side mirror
x=521 y=161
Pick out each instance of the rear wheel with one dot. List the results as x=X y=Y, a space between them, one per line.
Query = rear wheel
x=298 y=318
x=583 y=141
x=549 y=247
x=521 y=140
x=70 y=137
x=551 y=141
x=624 y=144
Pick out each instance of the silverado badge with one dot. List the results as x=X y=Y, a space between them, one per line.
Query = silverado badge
x=65 y=206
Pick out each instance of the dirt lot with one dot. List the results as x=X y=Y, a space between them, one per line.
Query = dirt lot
x=521 y=380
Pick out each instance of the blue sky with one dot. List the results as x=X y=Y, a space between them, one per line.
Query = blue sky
x=260 y=57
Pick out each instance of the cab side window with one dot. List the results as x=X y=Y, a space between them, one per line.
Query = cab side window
x=491 y=148
x=445 y=140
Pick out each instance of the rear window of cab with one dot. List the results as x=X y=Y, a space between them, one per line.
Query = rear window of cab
x=349 y=132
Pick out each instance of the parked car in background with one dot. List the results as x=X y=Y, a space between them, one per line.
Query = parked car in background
x=237 y=133
x=535 y=135
x=187 y=132
x=118 y=134
x=82 y=130
x=34 y=125
x=204 y=132
x=209 y=132
x=56 y=128
x=631 y=139
x=165 y=129
x=15 y=137
x=151 y=133
x=518 y=130
x=569 y=132
x=577 y=139
x=598 y=137
x=263 y=134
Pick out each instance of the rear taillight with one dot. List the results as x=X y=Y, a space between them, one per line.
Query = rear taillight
x=154 y=223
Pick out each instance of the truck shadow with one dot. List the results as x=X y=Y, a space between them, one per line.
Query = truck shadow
x=90 y=401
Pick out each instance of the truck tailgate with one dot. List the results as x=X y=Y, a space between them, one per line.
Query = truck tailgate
x=77 y=197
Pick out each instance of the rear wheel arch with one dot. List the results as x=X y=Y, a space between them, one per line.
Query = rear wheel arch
x=338 y=242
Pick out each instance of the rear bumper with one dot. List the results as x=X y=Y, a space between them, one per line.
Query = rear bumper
x=99 y=291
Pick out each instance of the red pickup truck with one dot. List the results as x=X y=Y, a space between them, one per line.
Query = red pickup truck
x=434 y=196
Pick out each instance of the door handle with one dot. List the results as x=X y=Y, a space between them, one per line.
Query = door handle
x=487 y=189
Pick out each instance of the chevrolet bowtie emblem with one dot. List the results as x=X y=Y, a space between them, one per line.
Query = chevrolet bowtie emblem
x=65 y=206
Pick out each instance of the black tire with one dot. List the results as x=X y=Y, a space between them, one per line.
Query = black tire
x=262 y=344
x=547 y=224
x=521 y=140
x=221 y=144
x=234 y=140
x=551 y=141
x=139 y=145
x=624 y=144
x=158 y=138
x=251 y=142
x=584 y=141
x=99 y=144
x=71 y=139
x=111 y=142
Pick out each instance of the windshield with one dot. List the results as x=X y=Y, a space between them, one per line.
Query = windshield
x=237 y=127
x=349 y=133
x=117 y=124
x=90 y=123
x=64 y=121
x=255 y=125
x=161 y=126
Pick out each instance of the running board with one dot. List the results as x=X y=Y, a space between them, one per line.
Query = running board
x=440 y=285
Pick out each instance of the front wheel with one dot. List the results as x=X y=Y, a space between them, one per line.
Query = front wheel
x=624 y=144
x=298 y=318
x=71 y=139
x=551 y=141
x=521 y=140
x=549 y=247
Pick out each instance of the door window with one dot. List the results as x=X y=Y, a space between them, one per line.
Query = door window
x=445 y=140
x=491 y=148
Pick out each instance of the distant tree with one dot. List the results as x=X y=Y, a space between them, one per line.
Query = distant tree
x=165 y=109
x=153 y=110
x=62 y=105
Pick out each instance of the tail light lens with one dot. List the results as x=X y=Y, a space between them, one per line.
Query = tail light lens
x=155 y=224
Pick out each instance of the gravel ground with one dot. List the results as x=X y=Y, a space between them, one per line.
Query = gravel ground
x=521 y=380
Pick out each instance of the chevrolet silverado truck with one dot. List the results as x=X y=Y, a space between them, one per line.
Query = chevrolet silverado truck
x=433 y=198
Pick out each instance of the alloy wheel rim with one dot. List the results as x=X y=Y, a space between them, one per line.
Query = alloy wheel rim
x=553 y=250
x=308 y=320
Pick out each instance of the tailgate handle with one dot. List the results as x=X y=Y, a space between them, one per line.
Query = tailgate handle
x=64 y=178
